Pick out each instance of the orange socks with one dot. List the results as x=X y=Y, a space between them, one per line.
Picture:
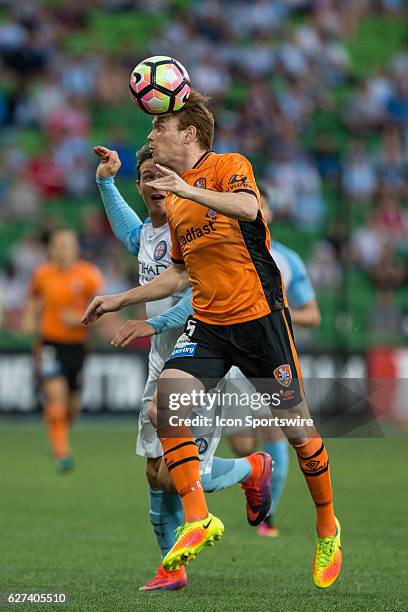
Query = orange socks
x=314 y=463
x=57 y=427
x=181 y=458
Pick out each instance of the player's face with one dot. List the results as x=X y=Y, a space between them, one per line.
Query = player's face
x=166 y=140
x=63 y=249
x=154 y=199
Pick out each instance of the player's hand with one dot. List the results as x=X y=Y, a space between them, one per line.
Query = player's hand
x=131 y=330
x=110 y=162
x=168 y=180
x=99 y=306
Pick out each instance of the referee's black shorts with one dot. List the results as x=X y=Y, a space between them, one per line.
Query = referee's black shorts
x=263 y=349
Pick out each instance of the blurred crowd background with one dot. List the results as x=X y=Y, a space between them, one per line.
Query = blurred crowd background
x=314 y=93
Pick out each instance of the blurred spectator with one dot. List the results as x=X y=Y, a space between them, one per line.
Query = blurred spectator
x=27 y=255
x=272 y=70
x=385 y=319
x=78 y=74
x=397 y=106
x=389 y=272
x=363 y=112
x=72 y=14
x=367 y=243
x=114 y=271
x=392 y=165
x=210 y=76
x=297 y=180
x=327 y=157
x=94 y=235
x=310 y=210
x=399 y=63
x=109 y=91
x=68 y=121
x=27 y=54
x=13 y=289
x=45 y=172
x=324 y=268
x=391 y=219
x=359 y=178
x=47 y=96
x=118 y=140
x=23 y=199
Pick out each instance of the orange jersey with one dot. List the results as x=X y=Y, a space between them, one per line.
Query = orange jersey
x=232 y=274
x=62 y=291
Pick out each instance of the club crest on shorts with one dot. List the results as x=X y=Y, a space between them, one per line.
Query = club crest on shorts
x=283 y=374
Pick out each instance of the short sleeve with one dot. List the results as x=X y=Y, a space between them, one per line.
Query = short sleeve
x=300 y=290
x=234 y=174
x=176 y=254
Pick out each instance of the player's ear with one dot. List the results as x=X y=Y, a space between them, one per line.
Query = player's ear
x=138 y=186
x=191 y=133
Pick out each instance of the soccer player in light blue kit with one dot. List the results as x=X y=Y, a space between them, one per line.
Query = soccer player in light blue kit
x=150 y=242
x=304 y=312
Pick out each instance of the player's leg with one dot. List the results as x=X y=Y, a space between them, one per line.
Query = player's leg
x=224 y=473
x=276 y=445
x=275 y=360
x=195 y=357
x=216 y=473
x=165 y=509
x=55 y=392
x=179 y=449
x=73 y=360
x=74 y=405
x=257 y=486
x=242 y=445
x=166 y=512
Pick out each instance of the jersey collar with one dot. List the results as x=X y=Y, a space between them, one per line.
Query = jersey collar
x=199 y=162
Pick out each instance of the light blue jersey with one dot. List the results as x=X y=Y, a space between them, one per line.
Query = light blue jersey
x=152 y=247
x=298 y=286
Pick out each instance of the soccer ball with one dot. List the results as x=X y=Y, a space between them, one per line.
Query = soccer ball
x=159 y=85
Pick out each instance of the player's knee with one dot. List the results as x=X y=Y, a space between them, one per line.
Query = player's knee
x=301 y=427
x=242 y=447
x=152 y=473
x=55 y=390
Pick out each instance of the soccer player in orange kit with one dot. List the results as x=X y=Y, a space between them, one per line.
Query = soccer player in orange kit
x=220 y=244
x=59 y=290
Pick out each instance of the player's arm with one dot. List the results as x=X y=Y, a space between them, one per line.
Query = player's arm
x=303 y=307
x=30 y=319
x=239 y=205
x=173 y=318
x=125 y=223
x=173 y=280
x=307 y=315
x=31 y=315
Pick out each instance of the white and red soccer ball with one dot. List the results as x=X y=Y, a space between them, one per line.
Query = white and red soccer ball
x=159 y=85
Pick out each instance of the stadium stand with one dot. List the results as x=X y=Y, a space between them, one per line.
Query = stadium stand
x=303 y=89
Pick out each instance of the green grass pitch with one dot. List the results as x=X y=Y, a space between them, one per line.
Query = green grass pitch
x=87 y=533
